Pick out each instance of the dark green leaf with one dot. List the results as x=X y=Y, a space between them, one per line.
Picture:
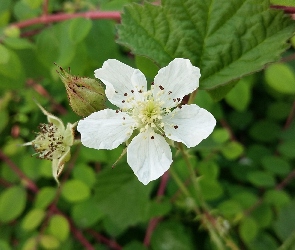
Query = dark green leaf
x=117 y=192
x=170 y=236
x=225 y=40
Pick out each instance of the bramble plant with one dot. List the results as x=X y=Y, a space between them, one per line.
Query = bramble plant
x=170 y=124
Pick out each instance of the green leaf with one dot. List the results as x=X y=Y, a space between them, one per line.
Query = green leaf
x=33 y=219
x=287 y=149
x=79 y=29
x=87 y=213
x=226 y=40
x=248 y=229
x=209 y=169
x=44 y=197
x=283 y=2
x=263 y=215
x=171 y=235
x=211 y=189
x=230 y=209
x=117 y=191
x=276 y=165
x=278 y=110
x=146 y=66
x=33 y=4
x=239 y=97
x=134 y=245
x=285 y=224
x=75 y=191
x=4 y=54
x=264 y=241
x=281 y=78
x=265 y=131
x=85 y=174
x=12 y=203
x=49 y=242
x=220 y=135
x=59 y=227
x=232 y=150
x=261 y=179
x=277 y=197
x=4 y=245
x=158 y=209
x=18 y=43
x=12 y=70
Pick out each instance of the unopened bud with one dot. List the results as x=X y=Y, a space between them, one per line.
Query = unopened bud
x=85 y=95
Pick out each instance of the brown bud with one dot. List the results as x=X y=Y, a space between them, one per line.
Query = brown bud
x=85 y=95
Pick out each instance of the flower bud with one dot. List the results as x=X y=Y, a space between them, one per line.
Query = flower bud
x=85 y=95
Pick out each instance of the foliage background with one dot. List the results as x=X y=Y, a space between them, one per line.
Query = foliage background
x=245 y=168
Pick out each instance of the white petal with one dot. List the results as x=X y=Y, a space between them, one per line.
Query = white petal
x=149 y=156
x=105 y=129
x=176 y=80
x=189 y=125
x=122 y=82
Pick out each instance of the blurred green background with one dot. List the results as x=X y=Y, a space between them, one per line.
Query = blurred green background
x=246 y=166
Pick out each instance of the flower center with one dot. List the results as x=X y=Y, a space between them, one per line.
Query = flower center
x=49 y=143
x=148 y=113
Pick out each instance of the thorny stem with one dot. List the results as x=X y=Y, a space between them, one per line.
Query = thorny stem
x=208 y=221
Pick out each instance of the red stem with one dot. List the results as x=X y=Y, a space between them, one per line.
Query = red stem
x=154 y=221
x=287 y=9
x=100 y=238
x=115 y=15
x=290 y=117
x=76 y=232
x=45 y=7
x=29 y=183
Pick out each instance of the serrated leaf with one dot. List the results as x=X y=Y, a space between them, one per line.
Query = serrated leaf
x=226 y=40
x=12 y=203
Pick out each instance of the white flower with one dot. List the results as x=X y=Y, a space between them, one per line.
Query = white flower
x=154 y=113
x=54 y=142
